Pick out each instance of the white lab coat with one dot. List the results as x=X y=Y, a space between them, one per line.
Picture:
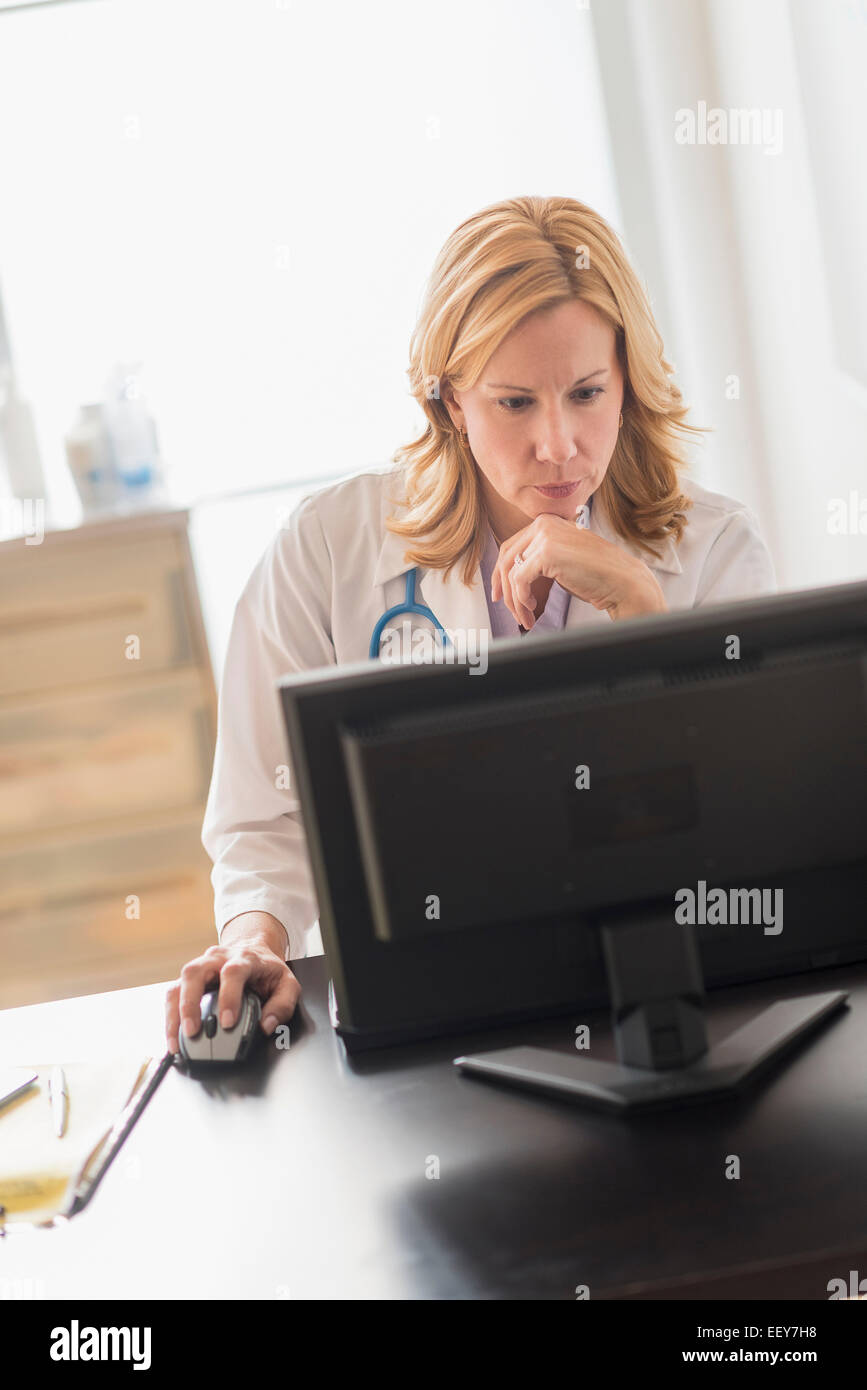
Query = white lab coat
x=313 y=600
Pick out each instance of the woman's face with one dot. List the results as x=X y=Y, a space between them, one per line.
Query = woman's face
x=544 y=415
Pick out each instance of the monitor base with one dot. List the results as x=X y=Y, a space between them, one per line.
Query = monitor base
x=727 y=1067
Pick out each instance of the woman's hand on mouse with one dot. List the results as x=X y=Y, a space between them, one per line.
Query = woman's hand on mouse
x=249 y=955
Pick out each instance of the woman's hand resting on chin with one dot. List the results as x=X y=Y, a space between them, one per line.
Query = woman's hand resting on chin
x=588 y=566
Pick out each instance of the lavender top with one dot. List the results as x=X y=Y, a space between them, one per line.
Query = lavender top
x=556 y=607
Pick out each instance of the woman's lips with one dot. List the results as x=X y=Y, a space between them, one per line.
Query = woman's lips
x=561 y=490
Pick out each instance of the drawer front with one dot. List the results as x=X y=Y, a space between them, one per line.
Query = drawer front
x=102 y=756
x=67 y=612
x=67 y=926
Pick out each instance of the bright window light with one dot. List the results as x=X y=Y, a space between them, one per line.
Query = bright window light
x=248 y=197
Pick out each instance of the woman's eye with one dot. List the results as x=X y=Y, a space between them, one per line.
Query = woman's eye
x=584 y=394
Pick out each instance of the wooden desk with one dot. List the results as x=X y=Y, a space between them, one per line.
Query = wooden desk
x=304 y=1175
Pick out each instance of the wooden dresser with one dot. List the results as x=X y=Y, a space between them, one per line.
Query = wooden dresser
x=107 y=724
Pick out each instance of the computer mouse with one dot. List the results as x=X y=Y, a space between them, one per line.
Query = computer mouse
x=215 y=1044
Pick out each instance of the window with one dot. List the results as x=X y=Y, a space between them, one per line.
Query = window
x=248 y=197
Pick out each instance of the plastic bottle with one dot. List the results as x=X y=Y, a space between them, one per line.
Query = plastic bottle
x=132 y=438
x=89 y=456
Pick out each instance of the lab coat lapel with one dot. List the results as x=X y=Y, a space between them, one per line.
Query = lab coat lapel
x=668 y=563
x=453 y=603
x=457 y=607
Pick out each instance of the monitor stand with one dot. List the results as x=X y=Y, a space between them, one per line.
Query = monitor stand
x=657 y=991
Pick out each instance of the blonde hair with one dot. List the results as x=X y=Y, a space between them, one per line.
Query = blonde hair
x=503 y=263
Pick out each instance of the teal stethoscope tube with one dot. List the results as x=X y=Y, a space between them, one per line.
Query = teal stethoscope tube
x=409 y=605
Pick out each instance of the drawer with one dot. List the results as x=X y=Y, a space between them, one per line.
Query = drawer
x=67 y=611
x=105 y=755
x=63 y=924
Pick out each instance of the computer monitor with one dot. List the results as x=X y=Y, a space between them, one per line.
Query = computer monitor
x=498 y=847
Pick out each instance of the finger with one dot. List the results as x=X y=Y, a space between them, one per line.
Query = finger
x=521 y=576
x=505 y=556
x=501 y=588
x=195 y=976
x=500 y=578
x=233 y=977
x=280 y=1006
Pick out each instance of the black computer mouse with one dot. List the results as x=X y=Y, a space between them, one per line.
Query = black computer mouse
x=215 y=1044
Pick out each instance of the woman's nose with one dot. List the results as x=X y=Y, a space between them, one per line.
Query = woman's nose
x=555 y=443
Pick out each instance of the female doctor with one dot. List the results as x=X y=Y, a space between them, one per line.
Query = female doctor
x=545 y=492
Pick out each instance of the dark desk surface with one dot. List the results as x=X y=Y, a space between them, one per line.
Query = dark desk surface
x=305 y=1174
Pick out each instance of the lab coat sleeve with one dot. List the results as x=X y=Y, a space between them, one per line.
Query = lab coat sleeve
x=738 y=564
x=252 y=828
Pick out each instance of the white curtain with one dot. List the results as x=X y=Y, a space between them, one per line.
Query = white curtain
x=755 y=252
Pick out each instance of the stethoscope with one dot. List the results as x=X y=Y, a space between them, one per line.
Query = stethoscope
x=409 y=605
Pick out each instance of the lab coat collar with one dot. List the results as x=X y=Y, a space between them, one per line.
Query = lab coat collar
x=668 y=561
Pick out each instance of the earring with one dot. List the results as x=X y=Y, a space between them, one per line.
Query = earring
x=620 y=424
